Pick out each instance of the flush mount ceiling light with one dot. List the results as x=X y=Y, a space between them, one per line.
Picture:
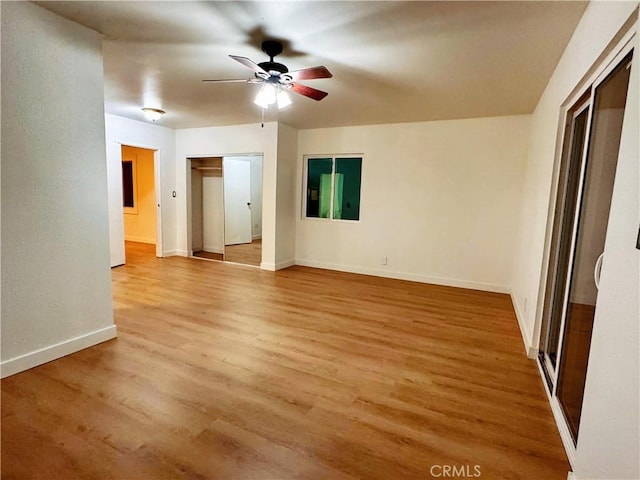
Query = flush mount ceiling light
x=153 y=114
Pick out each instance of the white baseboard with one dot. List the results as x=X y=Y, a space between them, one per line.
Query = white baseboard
x=212 y=249
x=277 y=266
x=531 y=351
x=53 y=352
x=140 y=240
x=174 y=253
x=413 y=277
x=285 y=264
x=571 y=476
x=256 y=237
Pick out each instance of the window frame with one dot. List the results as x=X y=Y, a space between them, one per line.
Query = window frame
x=305 y=178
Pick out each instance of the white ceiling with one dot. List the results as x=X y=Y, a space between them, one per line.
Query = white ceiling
x=391 y=61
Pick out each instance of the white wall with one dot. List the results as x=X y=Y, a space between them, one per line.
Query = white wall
x=608 y=443
x=228 y=141
x=286 y=196
x=439 y=200
x=123 y=131
x=56 y=282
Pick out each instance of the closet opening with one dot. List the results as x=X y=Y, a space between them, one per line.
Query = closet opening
x=226 y=208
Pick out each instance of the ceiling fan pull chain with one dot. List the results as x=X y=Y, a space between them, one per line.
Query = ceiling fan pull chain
x=262 y=109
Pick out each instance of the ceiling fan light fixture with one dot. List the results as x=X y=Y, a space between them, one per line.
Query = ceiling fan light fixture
x=266 y=96
x=153 y=114
x=283 y=99
x=276 y=79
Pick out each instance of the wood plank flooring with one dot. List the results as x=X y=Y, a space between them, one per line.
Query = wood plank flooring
x=209 y=255
x=245 y=253
x=229 y=372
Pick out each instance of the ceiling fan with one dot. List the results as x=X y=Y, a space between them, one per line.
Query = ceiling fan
x=276 y=79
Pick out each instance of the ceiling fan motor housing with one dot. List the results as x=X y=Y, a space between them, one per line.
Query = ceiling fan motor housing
x=272 y=48
x=273 y=67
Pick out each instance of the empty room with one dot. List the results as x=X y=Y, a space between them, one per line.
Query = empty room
x=320 y=240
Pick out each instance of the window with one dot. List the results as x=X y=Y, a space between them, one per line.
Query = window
x=333 y=187
x=129 y=193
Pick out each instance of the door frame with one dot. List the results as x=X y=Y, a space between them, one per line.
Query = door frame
x=157 y=187
x=571 y=115
x=226 y=189
x=592 y=80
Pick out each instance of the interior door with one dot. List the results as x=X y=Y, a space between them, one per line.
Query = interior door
x=237 y=201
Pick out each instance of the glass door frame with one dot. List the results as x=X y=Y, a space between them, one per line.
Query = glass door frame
x=584 y=103
x=574 y=105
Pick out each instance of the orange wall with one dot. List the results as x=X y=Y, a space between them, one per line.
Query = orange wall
x=140 y=226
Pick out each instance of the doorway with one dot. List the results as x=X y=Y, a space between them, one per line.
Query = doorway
x=207 y=208
x=226 y=208
x=583 y=199
x=139 y=201
x=242 y=177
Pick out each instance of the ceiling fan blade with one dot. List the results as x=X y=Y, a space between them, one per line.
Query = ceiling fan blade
x=250 y=64
x=310 y=73
x=229 y=80
x=313 y=93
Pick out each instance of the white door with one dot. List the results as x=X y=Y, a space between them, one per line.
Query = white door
x=237 y=201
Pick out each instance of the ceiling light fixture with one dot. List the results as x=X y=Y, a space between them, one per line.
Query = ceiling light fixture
x=283 y=99
x=153 y=114
x=270 y=94
x=266 y=96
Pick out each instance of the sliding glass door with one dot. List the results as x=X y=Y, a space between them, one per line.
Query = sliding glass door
x=583 y=201
x=568 y=187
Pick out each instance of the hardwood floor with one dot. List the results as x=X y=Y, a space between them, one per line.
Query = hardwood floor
x=209 y=255
x=231 y=372
x=246 y=253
